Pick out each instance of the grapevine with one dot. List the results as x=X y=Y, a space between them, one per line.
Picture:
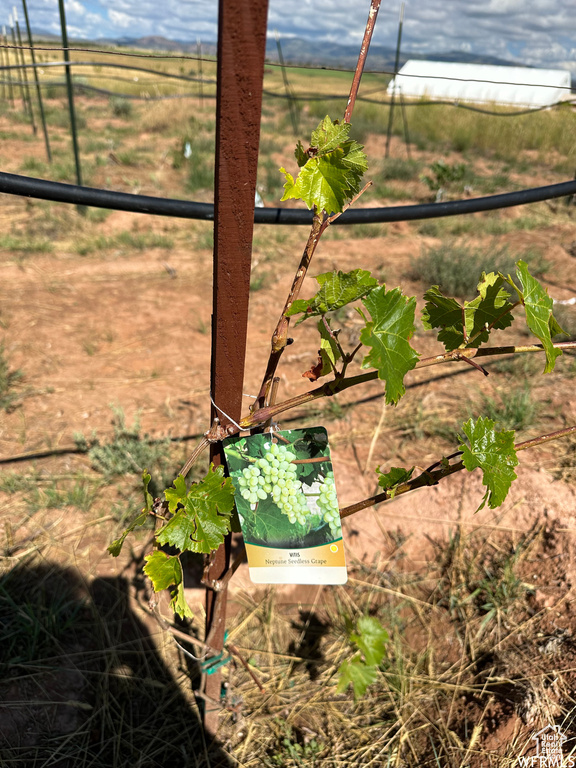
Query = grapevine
x=280 y=499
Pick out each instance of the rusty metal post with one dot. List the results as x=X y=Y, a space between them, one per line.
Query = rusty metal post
x=241 y=50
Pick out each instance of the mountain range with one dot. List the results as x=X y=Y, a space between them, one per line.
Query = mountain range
x=296 y=50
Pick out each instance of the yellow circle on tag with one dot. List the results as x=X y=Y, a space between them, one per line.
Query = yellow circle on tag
x=333 y=547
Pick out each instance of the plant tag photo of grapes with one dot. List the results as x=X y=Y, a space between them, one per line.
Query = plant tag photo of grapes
x=286 y=500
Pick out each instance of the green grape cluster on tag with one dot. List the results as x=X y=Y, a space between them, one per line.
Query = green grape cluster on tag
x=274 y=475
x=328 y=504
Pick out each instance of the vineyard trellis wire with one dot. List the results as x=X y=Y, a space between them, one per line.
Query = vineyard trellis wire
x=285 y=96
x=287 y=65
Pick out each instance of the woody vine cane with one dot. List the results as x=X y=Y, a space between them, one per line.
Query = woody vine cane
x=200 y=518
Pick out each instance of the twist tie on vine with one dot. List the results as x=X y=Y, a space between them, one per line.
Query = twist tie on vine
x=187 y=653
x=214 y=663
x=230 y=419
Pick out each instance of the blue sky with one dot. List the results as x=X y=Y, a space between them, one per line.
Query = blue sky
x=534 y=32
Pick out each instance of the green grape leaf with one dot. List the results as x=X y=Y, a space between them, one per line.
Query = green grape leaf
x=178 y=602
x=235 y=525
x=301 y=155
x=490 y=308
x=555 y=327
x=205 y=519
x=444 y=313
x=163 y=570
x=329 y=352
x=330 y=172
x=494 y=453
x=148 y=500
x=328 y=355
x=322 y=182
x=115 y=548
x=176 y=495
x=336 y=290
x=539 y=318
x=371 y=639
x=388 y=333
x=328 y=136
x=390 y=481
x=358 y=674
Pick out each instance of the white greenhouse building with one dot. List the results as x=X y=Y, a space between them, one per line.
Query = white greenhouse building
x=481 y=83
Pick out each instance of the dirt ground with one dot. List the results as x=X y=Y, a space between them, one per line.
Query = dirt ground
x=131 y=328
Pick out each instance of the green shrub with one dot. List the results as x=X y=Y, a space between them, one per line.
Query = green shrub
x=456 y=266
x=512 y=410
x=8 y=398
x=121 y=107
x=129 y=452
x=444 y=174
x=399 y=169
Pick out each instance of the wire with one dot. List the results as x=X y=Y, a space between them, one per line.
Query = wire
x=212 y=60
x=80 y=87
x=26 y=186
x=110 y=53
x=47 y=64
x=271 y=94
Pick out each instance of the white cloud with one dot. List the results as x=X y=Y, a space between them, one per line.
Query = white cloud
x=119 y=19
x=529 y=31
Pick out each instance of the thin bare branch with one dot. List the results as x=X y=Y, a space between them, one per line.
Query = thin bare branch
x=320 y=222
x=280 y=335
x=335 y=386
x=235 y=650
x=335 y=216
x=429 y=477
x=372 y=15
x=202 y=445
x=474 y=365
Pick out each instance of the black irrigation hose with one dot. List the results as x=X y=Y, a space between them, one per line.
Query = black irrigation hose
x=160 y=206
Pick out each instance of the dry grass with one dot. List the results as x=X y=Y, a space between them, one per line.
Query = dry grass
x=474 y=663
x=84 y=682
x=455 y=670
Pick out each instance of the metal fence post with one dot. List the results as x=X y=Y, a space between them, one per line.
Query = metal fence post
x=241 y=50
x=73 y=128
x=37 y=81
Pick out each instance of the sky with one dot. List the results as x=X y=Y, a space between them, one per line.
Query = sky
x=531 y=32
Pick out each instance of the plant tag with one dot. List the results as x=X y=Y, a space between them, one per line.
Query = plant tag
x=286 y=500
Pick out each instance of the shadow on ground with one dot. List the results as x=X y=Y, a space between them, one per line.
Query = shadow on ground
x=82 y=683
